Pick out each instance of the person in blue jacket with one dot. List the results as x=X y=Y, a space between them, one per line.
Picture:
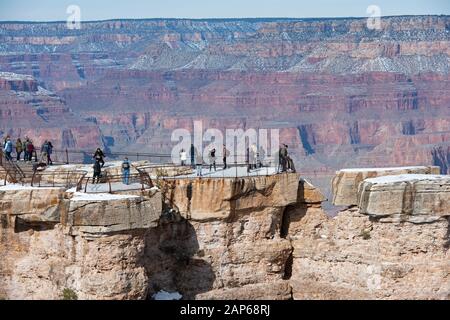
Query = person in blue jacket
x=126 y=171
x=8 y=149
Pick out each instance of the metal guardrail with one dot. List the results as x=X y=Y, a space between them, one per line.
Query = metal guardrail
x=140 y=181
x=233 y=170
x=11 y=169
x=142 y=178
x=66 y=178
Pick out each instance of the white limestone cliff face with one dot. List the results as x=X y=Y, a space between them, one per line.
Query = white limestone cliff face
x=393 y=246
x=231 y=247
x=53 y=240
x=412 y=197
x=263 y=237
x=346 y=181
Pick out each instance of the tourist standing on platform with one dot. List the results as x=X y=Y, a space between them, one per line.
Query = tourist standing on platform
x=183 y=157
x=283 y=158
x=225 y=154
x=99 y=156
x=44 y=152
x=261 y=156
x=192 y=156
x=49 y=153
x=253 y=156
x=126 y=171
x=97 y=172
x=31 y=150
x=24 y=148
x=247 y=159
x=212 y=159
x=19 y=148
x=8 y=148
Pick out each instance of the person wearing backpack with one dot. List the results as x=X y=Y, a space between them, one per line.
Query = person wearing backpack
x=126 y=171
x=98 y=156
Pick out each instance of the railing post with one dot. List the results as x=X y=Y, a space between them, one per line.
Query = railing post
x=32 y=178
x=67 y=156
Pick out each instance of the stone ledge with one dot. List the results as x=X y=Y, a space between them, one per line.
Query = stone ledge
x=346 y=181
x=415 y=198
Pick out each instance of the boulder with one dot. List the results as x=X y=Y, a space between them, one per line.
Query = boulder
x=212 y=198
x=346 y=181
x=107 y=213
x=32 y=204
x=412 y=197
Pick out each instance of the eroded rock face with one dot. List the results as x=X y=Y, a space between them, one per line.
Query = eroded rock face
x=33 y=204
x=346 y=181
x=41 y=263
x=354 y=257
x=114 y=213
x=246 y=238
x=206 y=199
x=394 y=246
x=92 y=244
x=231 y=247
x=416 y=198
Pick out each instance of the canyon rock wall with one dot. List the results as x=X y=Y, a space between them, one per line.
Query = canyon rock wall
x=262 y=237
x=394 y=246
x=231 y=246
x=342 y=95
x=52 y=241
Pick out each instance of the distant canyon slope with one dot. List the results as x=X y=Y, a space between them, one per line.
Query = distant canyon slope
x=342 y=95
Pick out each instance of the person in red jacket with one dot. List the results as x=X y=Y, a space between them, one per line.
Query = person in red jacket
x=30 y=150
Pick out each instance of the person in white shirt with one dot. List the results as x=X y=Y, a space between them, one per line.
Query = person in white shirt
x=183 y=157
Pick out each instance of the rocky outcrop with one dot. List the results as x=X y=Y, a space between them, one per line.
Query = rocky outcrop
x=255 y=237
x=393 y=246
x=416 y=197
x=92 y=245
x=342 y=95
x=354 y=257
x=346 y=181
x=211 y=255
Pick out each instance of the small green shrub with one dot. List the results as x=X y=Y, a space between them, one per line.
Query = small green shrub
x=365 y=234
x=69 y=294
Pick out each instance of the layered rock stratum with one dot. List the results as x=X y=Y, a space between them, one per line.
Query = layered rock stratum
x=343 y=95
x=255 y=237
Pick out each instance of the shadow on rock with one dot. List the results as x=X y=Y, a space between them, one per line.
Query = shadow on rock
x=173 y=261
